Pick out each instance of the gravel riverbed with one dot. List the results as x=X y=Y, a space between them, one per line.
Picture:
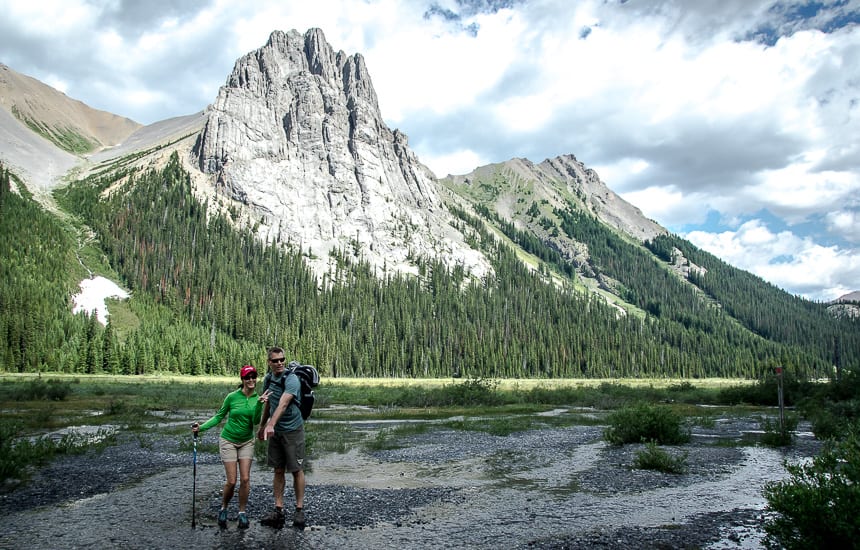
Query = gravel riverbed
x=549 y=488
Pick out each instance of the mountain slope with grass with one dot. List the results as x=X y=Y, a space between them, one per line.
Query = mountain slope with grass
x=69 y=124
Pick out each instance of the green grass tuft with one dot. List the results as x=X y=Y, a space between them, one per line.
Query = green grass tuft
x=655 y=458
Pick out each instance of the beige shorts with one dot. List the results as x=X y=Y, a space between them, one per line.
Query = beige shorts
x=233 y=452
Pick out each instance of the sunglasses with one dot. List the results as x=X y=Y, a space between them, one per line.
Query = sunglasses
x=277 y=360
x=250 y=377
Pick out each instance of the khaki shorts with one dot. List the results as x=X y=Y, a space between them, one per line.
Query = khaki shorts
x=232 y=452
x=287 y=451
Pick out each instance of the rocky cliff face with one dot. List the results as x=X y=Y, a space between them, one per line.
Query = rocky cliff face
x=296 y=135
x=555 y=181
x=605 y=203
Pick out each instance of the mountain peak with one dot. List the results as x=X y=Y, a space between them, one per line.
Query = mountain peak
x=296 y=135
x=850 y=297
x=45 y=131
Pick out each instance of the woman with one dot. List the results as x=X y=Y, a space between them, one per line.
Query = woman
x=243 y=409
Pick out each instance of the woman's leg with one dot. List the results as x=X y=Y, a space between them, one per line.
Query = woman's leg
x=229 y=485
x=245 y=482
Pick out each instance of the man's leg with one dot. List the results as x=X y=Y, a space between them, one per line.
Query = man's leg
x=279 y=482
x=276 y=459
x=299 y=488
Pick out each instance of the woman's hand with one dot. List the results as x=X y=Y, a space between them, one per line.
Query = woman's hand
x=195 y=428
x=264 y=397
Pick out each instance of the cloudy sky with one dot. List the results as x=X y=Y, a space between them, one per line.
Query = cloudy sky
x=734 y=123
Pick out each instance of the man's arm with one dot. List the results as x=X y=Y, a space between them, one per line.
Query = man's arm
x=279 y=410
x=265 y=416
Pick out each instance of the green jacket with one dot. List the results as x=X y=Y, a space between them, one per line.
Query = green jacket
x=243 y=413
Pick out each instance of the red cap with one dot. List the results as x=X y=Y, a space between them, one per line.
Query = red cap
x=246 y=370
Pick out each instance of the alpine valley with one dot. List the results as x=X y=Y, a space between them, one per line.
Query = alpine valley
x=287 y=213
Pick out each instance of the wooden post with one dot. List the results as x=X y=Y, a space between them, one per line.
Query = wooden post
x=780 y=398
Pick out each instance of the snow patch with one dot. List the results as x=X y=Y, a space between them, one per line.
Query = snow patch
x=94 y=292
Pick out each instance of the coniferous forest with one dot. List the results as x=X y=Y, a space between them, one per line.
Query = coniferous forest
x=207 y=297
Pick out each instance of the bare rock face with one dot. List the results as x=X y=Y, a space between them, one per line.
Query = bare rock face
x=553 y=180
x=605 y=203
x=296 y=134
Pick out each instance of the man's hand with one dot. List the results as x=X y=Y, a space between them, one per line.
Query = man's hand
x=268 y=432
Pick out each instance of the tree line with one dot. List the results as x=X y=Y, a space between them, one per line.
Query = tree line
x=207 y=297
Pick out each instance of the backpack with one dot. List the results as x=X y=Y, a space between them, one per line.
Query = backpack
x=308 y=377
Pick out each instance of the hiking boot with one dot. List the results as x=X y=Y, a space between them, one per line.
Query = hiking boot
x=222 y=518
x=275 y=519
x=243 y=521
x=299 y=518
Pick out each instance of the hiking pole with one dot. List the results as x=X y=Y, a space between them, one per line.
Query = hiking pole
x=194 y=488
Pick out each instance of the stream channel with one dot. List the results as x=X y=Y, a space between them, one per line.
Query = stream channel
x=546 y=488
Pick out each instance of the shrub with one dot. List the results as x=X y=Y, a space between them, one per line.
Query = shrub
x=53 y=390
x=766 y=391
x=645 y=422
x=826 y=424
x=655 y=458
x=778 y=436
x=833 y=406
x=474 y=391
x=819 y=505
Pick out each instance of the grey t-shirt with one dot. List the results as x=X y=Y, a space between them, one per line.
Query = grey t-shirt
x=291 y=420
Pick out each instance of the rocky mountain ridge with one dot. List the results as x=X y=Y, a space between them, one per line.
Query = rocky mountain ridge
x=847 y=305
x=296 y=136
x=68 y=123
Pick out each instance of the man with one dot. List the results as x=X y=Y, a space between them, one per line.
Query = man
x=282 y=426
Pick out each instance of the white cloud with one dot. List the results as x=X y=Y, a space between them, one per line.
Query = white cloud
x=664 y=203
x=49 y=17
x=786 y=260
x=845 y=223
x=799 y=189
x=56 y=83
x=458 y=162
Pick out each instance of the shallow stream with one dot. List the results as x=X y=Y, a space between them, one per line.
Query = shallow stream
x=548 y=488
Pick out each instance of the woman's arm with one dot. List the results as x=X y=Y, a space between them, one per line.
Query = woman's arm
x=219 y=416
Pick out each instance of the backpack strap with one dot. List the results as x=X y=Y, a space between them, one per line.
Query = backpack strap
x=267 y=381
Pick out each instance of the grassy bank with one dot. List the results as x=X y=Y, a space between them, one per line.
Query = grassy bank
x=40 y=403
